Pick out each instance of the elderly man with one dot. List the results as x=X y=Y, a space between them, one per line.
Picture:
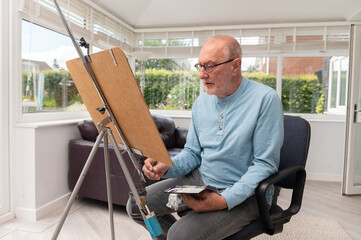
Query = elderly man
x=233 y=143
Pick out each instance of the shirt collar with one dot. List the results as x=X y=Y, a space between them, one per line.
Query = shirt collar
x=236 y=94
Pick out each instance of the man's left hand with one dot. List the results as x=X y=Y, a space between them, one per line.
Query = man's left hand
x=205 y=201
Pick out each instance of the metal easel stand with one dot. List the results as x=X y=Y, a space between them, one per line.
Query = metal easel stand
x=139 y=193
x=149 y=217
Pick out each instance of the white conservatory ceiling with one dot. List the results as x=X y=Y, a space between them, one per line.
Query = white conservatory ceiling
x=140 y=14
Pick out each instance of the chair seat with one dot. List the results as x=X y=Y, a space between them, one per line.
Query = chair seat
x=254 y=228
x=251 y=230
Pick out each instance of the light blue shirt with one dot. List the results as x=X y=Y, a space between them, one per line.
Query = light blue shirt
x=234 y=141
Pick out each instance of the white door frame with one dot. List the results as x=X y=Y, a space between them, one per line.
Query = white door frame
x=4 y=112
x=348 y=186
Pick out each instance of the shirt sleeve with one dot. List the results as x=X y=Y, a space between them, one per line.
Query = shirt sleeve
x=267 y=143
x=190 y=157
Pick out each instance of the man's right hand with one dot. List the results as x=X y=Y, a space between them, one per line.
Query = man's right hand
x=154 y=170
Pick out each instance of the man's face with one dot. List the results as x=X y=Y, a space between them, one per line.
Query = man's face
x=220 y=81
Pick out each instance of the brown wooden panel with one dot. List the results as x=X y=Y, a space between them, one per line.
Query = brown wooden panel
x=124 y=98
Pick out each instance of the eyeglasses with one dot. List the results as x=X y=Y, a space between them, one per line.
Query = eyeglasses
x=209 y=67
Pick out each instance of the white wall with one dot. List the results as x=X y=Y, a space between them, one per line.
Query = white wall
x=41 y=163
x=4 y=113
x=326 y=153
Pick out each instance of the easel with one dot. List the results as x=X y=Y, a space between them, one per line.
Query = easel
x=105 y=124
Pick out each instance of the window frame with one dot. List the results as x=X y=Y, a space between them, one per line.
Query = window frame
x=339 y=109
x=267 y=48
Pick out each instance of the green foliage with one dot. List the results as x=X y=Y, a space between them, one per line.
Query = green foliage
x=320 y=104
x=301 y=94
x=75 y=98
x=178 y=90
x=159 y=84
x=49 y=102
x=166 y=63
x=156 y=87
x=165 y=89
x=262 y=77
x=183 y=95
x=54 y=82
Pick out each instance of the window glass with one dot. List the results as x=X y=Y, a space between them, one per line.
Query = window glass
x=153 y=43
x=170 y=84
x=261 y=69
x=173 y=84
x=96 y=49
x=335 y=70
x=314 y=84
x=338 y=84
x=184 y=42
x=343 y=82
x=46 y=83
x=303 y=81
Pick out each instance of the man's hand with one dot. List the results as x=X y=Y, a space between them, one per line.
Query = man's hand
x=205 y=201
x=154 y=170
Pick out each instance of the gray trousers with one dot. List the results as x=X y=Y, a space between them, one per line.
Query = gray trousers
x=209 y=225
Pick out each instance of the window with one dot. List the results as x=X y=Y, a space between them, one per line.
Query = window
x=303 y=84
x=46 y=83
x=173 y=84
x=152 y=43
x=337 y=80
x=170 y=84
x=274 y=53
x=258 y=69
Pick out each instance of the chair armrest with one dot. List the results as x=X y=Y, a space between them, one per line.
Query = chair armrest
x=296 y=200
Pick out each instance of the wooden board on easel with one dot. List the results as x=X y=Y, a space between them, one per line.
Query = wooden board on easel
x=120 y=89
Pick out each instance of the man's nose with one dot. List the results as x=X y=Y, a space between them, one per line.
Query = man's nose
x=202 y=73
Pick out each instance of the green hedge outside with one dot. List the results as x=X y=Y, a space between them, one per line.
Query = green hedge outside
x=178 y=89
x=300 y=94
x=53 y=90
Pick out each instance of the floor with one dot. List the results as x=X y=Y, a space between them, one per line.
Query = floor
x=89 y=219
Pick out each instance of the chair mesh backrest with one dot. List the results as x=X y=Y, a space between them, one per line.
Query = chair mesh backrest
x=295 y=146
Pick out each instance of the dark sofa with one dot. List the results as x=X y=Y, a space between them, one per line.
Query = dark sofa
x=94 y=185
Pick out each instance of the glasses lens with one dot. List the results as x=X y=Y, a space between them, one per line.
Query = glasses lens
x=198 y=66
x=208 y=68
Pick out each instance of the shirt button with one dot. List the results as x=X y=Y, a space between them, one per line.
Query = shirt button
x=221 y=117
x=220 y=127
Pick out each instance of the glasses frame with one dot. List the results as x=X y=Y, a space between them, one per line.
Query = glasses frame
x=208 y=67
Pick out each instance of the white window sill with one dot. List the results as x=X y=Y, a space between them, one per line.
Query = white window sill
x=326 y=117
x=332 y=118
x=173 y=113
x=49 y=123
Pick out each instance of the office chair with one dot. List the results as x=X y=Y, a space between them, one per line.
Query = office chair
x=291 y=175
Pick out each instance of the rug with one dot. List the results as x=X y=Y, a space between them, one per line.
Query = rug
x=302 y=228
x=309 y=228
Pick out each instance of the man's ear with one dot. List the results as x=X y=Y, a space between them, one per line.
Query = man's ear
x=237 y=63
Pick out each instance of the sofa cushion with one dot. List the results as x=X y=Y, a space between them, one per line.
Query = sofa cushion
x=87 y=130
x=180 y=135
x=165 y=125
x=166 y=128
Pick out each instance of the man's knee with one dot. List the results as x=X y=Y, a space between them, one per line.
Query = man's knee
x=177 y=232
